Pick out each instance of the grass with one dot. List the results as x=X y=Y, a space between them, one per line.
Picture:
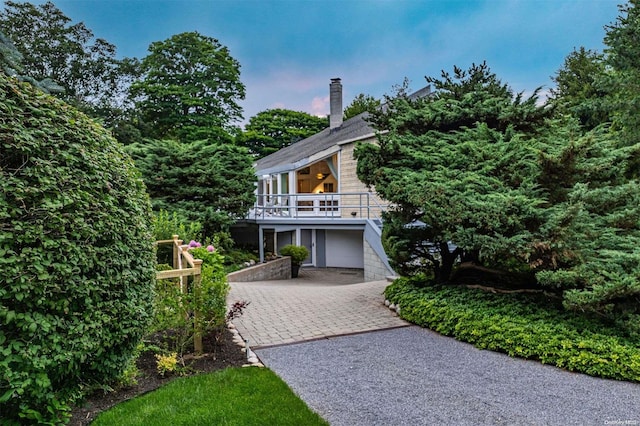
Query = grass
x=234 y=396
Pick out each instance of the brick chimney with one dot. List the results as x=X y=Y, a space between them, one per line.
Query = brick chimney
x=335 y=103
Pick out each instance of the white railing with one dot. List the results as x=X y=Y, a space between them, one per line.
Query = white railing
x=363 y=205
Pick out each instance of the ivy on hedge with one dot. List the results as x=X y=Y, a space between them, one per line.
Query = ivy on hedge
x=527 y=326
x=77 y=264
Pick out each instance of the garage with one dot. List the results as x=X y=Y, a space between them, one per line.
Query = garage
x=344 y=249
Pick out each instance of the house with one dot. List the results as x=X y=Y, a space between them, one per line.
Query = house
x=309 y=194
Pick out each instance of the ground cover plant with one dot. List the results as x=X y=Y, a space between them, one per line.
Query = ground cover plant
x=77 y=264
x=527 y=325
x=234 y=396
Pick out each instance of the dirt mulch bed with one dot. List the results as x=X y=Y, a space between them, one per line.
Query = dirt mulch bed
x=219 y=352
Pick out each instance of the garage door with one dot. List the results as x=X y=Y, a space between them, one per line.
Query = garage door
x=344 y=249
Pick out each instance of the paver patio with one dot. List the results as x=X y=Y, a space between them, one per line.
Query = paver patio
x=320 y=303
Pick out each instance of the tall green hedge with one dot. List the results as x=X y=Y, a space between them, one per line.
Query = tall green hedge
x=76 y=255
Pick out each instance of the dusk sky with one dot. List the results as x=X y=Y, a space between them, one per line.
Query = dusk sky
x=290 y=49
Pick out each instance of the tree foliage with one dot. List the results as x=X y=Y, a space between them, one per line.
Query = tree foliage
x=273 y=129
x=580 y=90
x=361 y=103
x=77 y=264
x=588 y=250
x=54 y=49
x=204 y=181
x=622 y=78
x=460 y=162
x=596 y=224
x=189 y=89
x=480 y=175
x=11 y=65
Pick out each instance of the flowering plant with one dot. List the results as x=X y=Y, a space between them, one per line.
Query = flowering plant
x=196 y=244
x=166 y=363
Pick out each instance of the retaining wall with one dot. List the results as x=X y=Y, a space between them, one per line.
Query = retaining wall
x=279 y=269
x=374 y=268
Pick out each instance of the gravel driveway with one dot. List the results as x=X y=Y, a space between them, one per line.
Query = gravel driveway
x=413 y=376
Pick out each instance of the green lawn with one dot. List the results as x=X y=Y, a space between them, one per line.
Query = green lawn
x=234 y=396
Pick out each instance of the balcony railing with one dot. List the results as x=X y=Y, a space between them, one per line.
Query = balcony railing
x=363 y=205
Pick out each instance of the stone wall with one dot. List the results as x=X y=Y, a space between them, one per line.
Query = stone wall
x=279 y=269
x=374 y=268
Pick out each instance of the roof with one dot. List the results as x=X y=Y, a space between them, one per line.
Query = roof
x=323 y=144
x=302 y=152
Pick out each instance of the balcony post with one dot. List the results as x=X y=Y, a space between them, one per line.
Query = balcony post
x=261 y=243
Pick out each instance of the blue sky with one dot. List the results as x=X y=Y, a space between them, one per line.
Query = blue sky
x=290 y=49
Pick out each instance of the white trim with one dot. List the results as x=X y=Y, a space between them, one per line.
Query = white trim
x=358 y=138
x=300 y=163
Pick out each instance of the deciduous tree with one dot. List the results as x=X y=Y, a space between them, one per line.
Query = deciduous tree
x=190 y=88
x=273 y=129
x=361 y=103
x=55 y=49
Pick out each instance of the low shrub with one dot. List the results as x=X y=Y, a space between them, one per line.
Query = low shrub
x=166 y=225
x=236 y=259
x=176 y=310
x=530 y=326
x=298 y=253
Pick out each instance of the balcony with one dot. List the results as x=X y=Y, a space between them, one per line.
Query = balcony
x=354 y=205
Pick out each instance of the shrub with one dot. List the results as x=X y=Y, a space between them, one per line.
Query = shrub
x=210 y=298
x=166 y=225
x=527 y=326
x=175 y=310
x=298 y=253
x=166 y=363
x=76 y=255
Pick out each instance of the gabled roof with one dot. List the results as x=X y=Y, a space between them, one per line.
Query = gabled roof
x=323 y=144
x=305 y=151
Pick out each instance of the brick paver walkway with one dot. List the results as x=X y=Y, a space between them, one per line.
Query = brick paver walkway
x=321 y=303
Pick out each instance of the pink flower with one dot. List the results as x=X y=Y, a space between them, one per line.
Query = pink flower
x=193 y=243
x=198 y=244
x=210 y=249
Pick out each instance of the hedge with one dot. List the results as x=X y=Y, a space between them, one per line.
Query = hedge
x=77 y=264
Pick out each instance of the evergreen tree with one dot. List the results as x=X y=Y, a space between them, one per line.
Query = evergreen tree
x=589 y=252
x=462 y=163
x=480 y=175
x=623 y=77
x=205 y=181
x=580 y=90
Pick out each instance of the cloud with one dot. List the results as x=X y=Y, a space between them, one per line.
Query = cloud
x=524 y=43
x=320 y=106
